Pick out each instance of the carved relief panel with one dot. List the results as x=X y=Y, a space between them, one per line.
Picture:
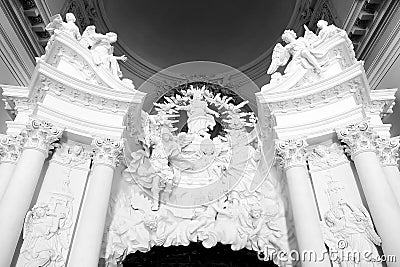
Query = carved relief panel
x=49 y=224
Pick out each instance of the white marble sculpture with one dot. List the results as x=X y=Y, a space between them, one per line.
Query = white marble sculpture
x=200 y=116
x=102 y=50
x=348 y=231
x=69 y=26
x=46 y=234
x=300 y=49
x=309 y=58
x=100 y=45
x=213 y=178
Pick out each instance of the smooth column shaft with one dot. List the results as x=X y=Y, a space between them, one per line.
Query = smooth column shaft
x=6 y=171
x=89 y=235
x=393 y=177
x=306 y=219
x=16 y=201
x=382 y=203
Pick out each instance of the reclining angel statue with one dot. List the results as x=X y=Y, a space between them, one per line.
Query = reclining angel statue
x=302 y=53
x=102 y=50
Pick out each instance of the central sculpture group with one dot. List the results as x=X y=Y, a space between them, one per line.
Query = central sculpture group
x=193 y=186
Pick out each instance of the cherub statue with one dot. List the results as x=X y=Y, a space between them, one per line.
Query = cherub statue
x=266 y=233
x=299 y=49
x=205 y=216
x=231 y=226
x=102 y=50
x=68 y=27
x=160 y=225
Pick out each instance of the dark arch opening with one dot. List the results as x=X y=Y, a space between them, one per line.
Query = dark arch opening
x=196 y=255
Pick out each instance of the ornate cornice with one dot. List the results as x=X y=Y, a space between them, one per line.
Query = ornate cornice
x=358 y=138
x=107 y=152
x=388 y=150
x=382 y=102
x=74 y=92
x=349 y=82
x=10 y=148
x=291 y=152
x=40 y=135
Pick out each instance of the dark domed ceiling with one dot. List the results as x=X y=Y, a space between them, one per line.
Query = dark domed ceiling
x=168 y=32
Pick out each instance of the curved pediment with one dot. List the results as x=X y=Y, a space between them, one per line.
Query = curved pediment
x=67 y=55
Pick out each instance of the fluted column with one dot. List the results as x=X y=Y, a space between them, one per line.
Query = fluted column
x=37 y=138
x=385 y=211
x=10 y=149
x=307 y=224
x=89 y=234
x=388 y=152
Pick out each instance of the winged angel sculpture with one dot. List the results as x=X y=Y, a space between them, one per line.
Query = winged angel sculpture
x=100 y=45
x=300 y=49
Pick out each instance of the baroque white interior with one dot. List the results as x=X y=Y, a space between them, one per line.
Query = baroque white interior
x=94 y=169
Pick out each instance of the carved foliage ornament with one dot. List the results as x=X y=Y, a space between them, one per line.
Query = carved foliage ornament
x=40 y=135
x=291 y=152
x=10 y=148
x=107 y=152
x=324 y=157
x=388 y=149
x=358 y=138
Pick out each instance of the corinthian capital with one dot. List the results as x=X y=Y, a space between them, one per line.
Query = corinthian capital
x=10 y=148
x=40 y=135
x=388 y=149
x=292 y=152
x=107 y=152
x=358 y=138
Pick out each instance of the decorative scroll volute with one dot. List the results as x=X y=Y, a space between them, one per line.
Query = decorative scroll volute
x=107 y=152
x=358 y=138
x=10 y=148
x=40 y=135
x=388 y=150
x=292 y=152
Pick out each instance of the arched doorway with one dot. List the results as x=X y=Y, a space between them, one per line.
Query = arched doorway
x=196 y=255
